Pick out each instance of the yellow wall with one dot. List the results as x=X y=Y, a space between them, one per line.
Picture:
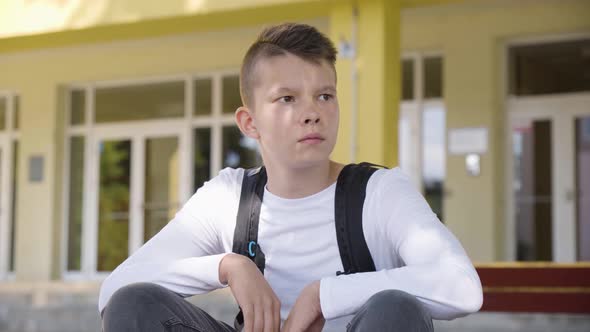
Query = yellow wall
x=473 y=38
x=37 y=77
x=22 y=17
x=38 y=67
x=377 y=80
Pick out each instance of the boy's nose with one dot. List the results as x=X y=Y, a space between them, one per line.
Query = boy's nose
x=311 y=115
x=312 y=120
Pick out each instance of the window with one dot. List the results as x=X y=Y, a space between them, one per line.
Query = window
x=9 y=113
x=137 y=151
x=549 y=68
x=145 y=101
x=422 y=126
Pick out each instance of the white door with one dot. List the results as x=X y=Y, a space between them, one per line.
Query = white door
x=4 y=205
x=549 y=178
x=135 y=180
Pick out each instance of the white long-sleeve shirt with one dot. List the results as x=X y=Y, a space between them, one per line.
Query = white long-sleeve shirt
x=412 y=250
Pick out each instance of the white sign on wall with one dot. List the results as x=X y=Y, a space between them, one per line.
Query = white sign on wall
x=468 y=140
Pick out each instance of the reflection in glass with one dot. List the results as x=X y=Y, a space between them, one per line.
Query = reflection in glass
x=239 y=150
x=76 y=197
x=433 y=157
x=433 y=77
x=203 y=104
x=405 y=141
x=12 y=253
x=77 y=107
x=1 y=175
x=16 y=116
x=202 y=156
x=582 y=162
x=408 y=79
x=140 y=102
x=556 y=67
x=113 y=207
x=533 y=189
x=1 y=181
x=231 y=94
x=3 y=111
x=161 y=184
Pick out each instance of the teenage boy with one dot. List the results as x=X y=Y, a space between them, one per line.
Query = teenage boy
x=288 y=88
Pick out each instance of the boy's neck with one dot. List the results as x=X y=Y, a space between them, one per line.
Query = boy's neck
x=302 y=182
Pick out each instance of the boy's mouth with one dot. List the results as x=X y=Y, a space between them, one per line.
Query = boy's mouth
x=312 y=139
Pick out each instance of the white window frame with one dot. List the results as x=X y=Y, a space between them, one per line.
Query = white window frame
x=7 y=138
x=412 y=111
x=137 y=131
x=542 y=107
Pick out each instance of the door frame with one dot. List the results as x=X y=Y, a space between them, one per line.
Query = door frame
x=7 y=138
x=137 y=133
x=5 y=206
x=561 y=110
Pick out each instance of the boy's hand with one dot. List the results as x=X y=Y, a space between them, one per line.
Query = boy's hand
x=306 y=314
x=260 y=305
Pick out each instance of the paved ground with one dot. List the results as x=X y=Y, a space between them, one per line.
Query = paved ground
x=77 y=312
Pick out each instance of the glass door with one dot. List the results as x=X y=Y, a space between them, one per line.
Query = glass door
x=136 y=192
x=550 y=178
x=161 y=197
x=114 y=196
x=8 y=175
x=582 y=188
x=532 y=188
x=3 y=208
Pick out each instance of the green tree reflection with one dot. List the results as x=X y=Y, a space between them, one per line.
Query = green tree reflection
x=115 y=167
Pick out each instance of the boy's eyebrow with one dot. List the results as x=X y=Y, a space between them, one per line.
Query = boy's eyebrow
x=329 y=88
x=283 y=89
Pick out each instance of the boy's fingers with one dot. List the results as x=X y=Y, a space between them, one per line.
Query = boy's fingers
x=317 y=325
x=258 y=318
x=277 y=317
x=268 y=320
x=248 y=319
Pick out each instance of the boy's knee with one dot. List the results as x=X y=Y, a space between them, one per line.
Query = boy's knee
x=392 y=310
x=395 y=301
x=134 y=298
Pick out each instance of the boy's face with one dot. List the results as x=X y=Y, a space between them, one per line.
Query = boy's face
x=295 y=110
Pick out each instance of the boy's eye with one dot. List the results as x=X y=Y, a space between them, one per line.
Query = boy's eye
x=286 y=99
x=326 y=97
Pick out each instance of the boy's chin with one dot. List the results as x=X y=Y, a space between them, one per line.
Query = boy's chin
x=311 y=162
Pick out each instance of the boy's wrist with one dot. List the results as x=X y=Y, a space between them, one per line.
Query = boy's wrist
x=224 y=266
x=316 y=294
x=230 y=263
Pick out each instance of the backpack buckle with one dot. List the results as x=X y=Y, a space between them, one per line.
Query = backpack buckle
x=252 y=248
x=345 y=272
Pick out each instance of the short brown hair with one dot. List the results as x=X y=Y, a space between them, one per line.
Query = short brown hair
x=302 y=40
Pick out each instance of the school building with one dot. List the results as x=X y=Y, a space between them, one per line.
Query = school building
x=112 y=113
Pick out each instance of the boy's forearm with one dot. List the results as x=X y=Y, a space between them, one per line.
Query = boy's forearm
x=187 y=276
x=231 y=262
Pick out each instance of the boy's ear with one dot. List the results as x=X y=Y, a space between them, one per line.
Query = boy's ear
x=245 y=121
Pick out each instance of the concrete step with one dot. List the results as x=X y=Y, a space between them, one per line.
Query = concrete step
x=62 y=311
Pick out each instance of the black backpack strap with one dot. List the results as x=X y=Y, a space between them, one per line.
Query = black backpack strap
x=350 y=198
x=246 y=231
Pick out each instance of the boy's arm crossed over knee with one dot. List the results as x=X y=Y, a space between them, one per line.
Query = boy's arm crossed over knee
x=260 y=305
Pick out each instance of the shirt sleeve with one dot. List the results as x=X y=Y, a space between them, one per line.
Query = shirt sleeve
x=434 y=266
x=185 y=255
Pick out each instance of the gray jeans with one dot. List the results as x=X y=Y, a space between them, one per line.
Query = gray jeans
x=148 y=307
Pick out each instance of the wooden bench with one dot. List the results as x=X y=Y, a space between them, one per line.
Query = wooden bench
x=536 y=287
